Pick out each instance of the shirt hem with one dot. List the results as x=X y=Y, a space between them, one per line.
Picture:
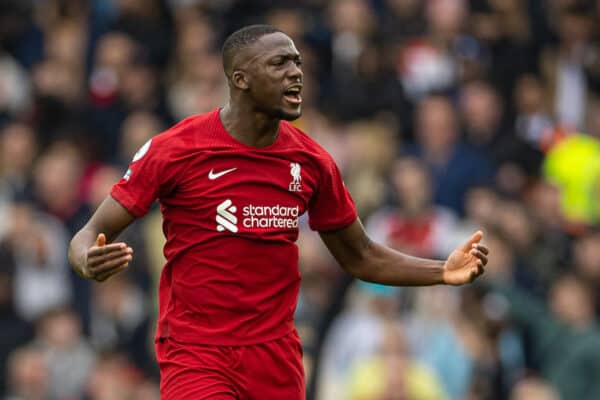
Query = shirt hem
x=195 y=340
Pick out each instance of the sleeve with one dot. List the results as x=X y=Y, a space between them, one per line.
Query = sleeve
x=146 y=179
x=332 y=206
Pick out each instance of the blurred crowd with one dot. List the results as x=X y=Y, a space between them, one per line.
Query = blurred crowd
x=445 y=116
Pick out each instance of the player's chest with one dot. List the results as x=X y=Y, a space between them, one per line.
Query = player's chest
x=253 y=176
x=247 y=192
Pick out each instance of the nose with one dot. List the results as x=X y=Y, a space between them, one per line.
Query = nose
x=295 y=72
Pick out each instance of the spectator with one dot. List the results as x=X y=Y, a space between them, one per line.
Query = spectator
x=18 y=147
x=120 y=321
x=533 y=388
x=42 y=274
x=137 y=129
x=564 y=66
x=68 y=356
x=402 y=19
x=356 y=333
x=438 y=340
x=15 y=330
x=56 y=183
x=506 y=30
x=28 y=375
x=16 y=95
x=371 y=148
x=573 y=165
x=454 y=167
x=586 y=259
x=533 y=123
x=392 y=373
x=563 y=337
x=416 y=226
x=114 y=378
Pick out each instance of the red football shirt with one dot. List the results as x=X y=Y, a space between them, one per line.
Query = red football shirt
x=230 y=217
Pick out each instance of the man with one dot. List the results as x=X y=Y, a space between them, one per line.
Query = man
x=232 y=184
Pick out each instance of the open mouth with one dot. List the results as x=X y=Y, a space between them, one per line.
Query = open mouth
x=292 y=95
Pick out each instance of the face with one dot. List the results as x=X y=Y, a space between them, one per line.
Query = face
x=587 y=257
x=529 y=94
x=436 y=123
x=412 y=185
x=571 y=302
x=270 y=75
x=480 y=107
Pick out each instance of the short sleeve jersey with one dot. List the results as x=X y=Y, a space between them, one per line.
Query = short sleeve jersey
x=230 y=217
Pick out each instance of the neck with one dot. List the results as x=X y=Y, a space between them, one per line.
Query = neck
x=437 y=155
x=248 y=126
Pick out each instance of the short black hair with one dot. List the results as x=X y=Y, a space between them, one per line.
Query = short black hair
x=241 y=39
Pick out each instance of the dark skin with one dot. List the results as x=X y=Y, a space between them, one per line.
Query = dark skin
x=259 y=81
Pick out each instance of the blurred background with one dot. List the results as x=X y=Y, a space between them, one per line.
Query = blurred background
x=445 y=116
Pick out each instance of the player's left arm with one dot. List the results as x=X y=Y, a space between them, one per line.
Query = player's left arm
x=373 y=262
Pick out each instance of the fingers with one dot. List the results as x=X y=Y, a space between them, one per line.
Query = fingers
x=481 y=247
x=104 y=276
x=102 y=264
x=476 y=272
x=476 y=238
x=109 y=268
x=105 y=260
x=106 y=249
x=101 y=239
x=480 y=252
x=480 y=255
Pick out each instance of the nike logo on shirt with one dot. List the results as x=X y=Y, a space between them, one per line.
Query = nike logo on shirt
x=214 y=175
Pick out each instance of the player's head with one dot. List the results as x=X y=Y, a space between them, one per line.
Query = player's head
x=262 y=66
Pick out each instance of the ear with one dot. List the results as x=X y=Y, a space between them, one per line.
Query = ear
x=239 y=80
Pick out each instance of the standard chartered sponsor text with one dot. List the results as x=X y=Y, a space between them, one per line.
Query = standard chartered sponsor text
x=276 y=216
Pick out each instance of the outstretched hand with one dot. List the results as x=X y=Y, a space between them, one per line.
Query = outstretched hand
x=105 y=260
x=467 y=262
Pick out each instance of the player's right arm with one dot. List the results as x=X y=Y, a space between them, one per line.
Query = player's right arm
x=92 y=253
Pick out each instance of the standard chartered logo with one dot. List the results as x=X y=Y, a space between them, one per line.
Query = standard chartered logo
x=253 y=216
x=226 y=218
x=270 y=216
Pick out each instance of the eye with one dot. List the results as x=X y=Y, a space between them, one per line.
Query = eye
x=298 y=62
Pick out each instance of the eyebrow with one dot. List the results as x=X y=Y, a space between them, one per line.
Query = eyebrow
x=286 y=56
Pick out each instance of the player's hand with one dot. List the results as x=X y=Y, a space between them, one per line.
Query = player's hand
x=105 y=260
x=467 y=262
